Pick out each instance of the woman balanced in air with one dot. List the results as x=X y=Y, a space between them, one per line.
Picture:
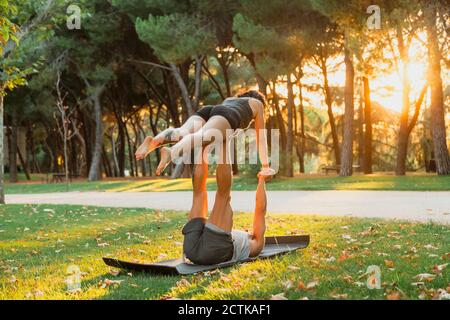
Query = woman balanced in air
x=232 y=114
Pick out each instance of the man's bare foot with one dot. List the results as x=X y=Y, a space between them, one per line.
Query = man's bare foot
x=146 y=147
x=165 y=160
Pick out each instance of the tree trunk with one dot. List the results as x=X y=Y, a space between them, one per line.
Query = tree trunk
x=114 y=156
x=347 y=142
x=438 y=128
x=290 y=134
x=328 y=101
x=121 y=151
x=198 y=80
x=131 y=151
x=183 y=89
x=361 y=129
x=368 y=126
x=403 y=137
x=34 y=165
x=302 y=129
x=106 y=164
x=95 y=170
x=12 y=146
x=24 y=164
x=2 y=149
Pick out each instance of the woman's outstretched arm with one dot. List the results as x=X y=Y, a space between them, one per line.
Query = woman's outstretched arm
x=261 y=134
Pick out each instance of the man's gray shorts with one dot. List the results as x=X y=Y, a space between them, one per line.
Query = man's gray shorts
x=206 y=246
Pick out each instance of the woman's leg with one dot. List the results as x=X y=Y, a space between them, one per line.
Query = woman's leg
x=192 y=124
x=214 y=130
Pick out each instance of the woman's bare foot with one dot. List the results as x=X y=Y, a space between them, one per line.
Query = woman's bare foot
x=170 y=135
x=165 y=160
x=145 y=148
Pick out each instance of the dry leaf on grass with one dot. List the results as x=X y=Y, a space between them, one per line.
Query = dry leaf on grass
x=425 y=277
x=107 y=283
x=439 y=268
x=293 y=268
x=288 y=284
x=279 y=296
x=389 y=263
x=394 y=295
x=312 y=285
x=183 y=283
x=344 y=256
x=339 y=295
x=114 y=272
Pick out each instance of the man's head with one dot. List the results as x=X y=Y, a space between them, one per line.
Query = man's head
x=253 y=94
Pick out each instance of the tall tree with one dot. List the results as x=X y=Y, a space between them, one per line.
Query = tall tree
x=10 y=34
x=176 y=39
x=438 y=127
x=367 y=165
x=347 y=141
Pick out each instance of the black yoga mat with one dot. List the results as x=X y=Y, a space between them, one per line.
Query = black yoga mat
x=275 y=246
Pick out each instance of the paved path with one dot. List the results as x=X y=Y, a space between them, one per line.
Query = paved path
x=407 y=205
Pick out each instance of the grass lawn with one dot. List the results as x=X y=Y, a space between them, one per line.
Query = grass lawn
x=307 y=182
x=38 y=243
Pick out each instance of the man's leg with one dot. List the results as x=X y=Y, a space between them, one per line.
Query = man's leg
x=222 y=214
x=199 y=207
x=259 y=218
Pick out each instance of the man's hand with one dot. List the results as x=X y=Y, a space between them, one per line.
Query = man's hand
x=266 y=173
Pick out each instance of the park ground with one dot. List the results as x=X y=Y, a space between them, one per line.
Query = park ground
x=39 y=242
x=413 y=182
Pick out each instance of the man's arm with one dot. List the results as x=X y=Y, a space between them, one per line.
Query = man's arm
x=259 y=218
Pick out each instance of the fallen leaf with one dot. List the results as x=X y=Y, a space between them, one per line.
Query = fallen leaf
x=394 y=295
x=425 y=277
x=417 y=284
x=183 y=283
x=38 y=293
x=293 y=268
x=114 y=272
x=288 y=284
x=301 y=286
x=279 y=296
x=344 y=256
x=312 y=285
x=439 y=268
x=339 y=296
x=107 y=283
x=443 y=294
x=389 y=263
